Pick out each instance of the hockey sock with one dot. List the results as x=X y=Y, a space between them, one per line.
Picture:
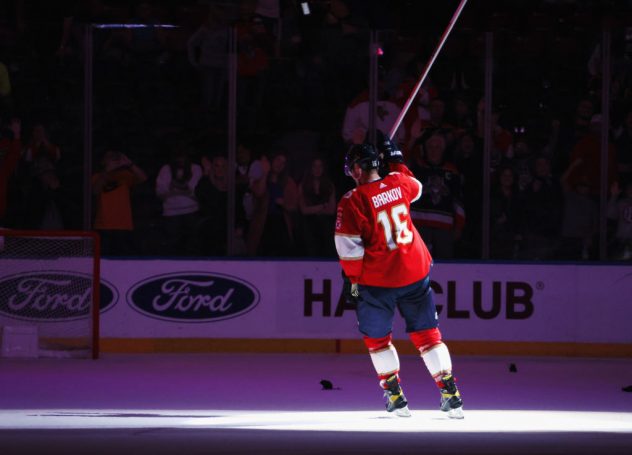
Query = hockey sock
x=434 y=353
x=383 y=355
x=438 y=362
x=424 y=340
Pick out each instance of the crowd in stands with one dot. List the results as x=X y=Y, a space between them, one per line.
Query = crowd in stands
x=160 y=181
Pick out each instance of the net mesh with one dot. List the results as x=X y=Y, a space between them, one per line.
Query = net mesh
x=46 y=284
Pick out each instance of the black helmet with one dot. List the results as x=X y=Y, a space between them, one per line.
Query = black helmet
x=363 y=154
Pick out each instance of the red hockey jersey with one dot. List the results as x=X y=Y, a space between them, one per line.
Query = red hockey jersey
x=375 y=237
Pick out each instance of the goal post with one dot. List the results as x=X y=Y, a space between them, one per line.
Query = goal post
x=50 y=288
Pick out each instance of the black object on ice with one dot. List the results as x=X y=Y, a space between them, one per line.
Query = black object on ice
x=512 y=368
x=627 y=389
x=327 y=385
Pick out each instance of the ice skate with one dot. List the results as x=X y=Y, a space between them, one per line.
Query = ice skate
x=395 y=399
x=451 y=398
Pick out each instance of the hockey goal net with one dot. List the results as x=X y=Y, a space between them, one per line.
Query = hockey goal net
x=49 y=289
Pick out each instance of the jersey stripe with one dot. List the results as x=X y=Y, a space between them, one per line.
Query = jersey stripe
x=349 y=247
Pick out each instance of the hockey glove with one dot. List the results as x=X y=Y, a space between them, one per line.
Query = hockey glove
x=354 y=290
x=349 y=290
x=389 y=151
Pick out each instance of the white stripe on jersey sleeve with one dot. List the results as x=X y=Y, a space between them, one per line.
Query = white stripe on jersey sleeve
x=420 y=188
x=349 y=247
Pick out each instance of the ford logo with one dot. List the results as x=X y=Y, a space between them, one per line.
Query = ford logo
x=52 y=296
x=193 y=297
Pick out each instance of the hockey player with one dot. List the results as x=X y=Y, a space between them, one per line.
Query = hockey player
x=387 y=265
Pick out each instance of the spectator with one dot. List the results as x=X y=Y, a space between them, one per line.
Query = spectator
x=468 y=158
x=254 y=51
x=570 y=133
x=272 y=228
x=586 y=156
x=145 y=52
x=396 y=72
x=317 y=203
x=5 y=89
x=624 y=149
x=175 y=185
x=112 y=186
x=422 y=129
x=550 y=148
x=440 y=214
x=302 y=143
x=520 y=156
x=208 y=52
x=40 y=146
x=291 y=40
x=255 y=199
x=506 y=212
x=138 y=47
x=580 y=218
x=244 y=160
x=620 y=209
x=342 y=42
x=212 y=195
x=73 y=28
x=543 y=200
x=270 y=12
x=243 y=178
x=502 y=138
x=427 y=92
x=43 y=203
x=10 y=150
x=356 y=121
x=461 y=117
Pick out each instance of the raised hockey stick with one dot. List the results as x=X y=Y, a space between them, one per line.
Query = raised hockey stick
x=426 y=70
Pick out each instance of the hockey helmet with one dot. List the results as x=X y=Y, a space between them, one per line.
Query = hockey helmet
x=363 y=154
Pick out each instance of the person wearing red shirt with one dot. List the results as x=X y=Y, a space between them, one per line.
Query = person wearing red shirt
x=387 y=265
x=10 y=151
x=586 y=159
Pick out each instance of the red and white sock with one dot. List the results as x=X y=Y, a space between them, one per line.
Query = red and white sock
x=384 y=357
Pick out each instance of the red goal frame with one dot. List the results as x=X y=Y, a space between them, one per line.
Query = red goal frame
x=96 y=270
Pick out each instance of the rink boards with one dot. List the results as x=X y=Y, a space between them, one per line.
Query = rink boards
x=289 y=300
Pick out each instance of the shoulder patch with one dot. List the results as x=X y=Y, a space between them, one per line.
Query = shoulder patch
x=348 y=194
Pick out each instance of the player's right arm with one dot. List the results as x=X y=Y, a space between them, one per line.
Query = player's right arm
x=348 y=237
